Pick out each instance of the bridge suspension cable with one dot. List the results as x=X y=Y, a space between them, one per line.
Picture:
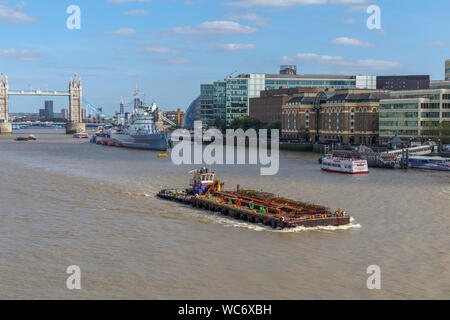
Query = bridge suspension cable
x=96 y=110
x=169 y=121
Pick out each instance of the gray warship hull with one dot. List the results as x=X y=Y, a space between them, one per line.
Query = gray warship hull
x=156 y=141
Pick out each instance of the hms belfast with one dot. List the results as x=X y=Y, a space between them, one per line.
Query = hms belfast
x=139 y=131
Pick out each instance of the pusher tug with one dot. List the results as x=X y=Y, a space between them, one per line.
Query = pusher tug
x=251 y=206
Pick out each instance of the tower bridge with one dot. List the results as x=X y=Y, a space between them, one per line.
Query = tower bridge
x=75 y=95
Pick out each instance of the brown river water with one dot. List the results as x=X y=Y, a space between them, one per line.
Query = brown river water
x=67 y=202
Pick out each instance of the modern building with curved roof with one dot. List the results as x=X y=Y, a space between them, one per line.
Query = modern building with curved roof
x=193 y=113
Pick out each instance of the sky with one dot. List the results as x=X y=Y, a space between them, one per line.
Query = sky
x=167 y=48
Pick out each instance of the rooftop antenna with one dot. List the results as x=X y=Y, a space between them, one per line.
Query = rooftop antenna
x=231 y=74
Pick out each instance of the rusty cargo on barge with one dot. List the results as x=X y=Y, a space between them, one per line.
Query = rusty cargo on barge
x=253 y=206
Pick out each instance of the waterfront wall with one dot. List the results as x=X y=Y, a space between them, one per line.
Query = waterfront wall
x=322 y=148
x=296 y=147
x=5 y=128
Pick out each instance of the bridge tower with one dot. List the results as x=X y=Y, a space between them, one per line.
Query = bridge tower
x=5 y=127
x=75 y=107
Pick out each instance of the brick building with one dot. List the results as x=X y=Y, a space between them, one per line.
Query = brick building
x=347 y=116
x=267 y=108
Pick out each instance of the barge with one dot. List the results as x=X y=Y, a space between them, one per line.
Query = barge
x=252 y=206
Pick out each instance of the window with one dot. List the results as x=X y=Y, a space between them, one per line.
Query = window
x=399 y=114
x=430 y=115
x=430 y=106
x=399 y=123
x=399 y=106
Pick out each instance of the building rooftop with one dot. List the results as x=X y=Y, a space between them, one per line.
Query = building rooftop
x=301 y=76
x=412 y=77
x=342 y=95
x=440 y=84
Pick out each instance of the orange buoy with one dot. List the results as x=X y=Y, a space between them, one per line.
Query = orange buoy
x=119 y=145
x=104 y=143
x=111 y=144
x=99 y=142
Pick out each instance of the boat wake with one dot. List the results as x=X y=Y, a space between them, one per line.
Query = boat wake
x=229 y=222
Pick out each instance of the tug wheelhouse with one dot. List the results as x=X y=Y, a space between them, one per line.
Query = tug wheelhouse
x=202 y=180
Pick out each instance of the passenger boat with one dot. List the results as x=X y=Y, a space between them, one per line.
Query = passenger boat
x=344 y=165
x=431 y=163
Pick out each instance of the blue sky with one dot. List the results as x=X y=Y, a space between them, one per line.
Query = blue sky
x=170 y=47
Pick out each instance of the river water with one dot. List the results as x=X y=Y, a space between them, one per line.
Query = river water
x=67 y=202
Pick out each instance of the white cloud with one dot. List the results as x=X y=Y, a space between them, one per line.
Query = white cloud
x=343 y=41
x=21 y=5
x=439 y=44
x=126 y=1
x=20 y=55
x=124 y=32
x=236 y=47
x=136 y=13
x=173 y=61
x=359 y=8
x=13 y=16
x=317 y=59
x=349 y=21
x=253 y=17
x=216 y=27
x=157 y=49
x=288 y=3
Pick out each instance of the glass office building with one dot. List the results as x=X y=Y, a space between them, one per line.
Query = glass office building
x=230 y=98
x=411 y=114
x=447 y=70
x=207 y=101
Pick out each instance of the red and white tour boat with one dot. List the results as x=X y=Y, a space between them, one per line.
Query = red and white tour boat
x=344 y=165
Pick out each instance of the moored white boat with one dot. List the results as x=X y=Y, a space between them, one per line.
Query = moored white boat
x=344 y=165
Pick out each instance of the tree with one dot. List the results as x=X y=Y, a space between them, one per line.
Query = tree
x=440 y=131
x=444 y=132
x=273 y=126
x=246 y=123
x=219 y=124
x=304 y=134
